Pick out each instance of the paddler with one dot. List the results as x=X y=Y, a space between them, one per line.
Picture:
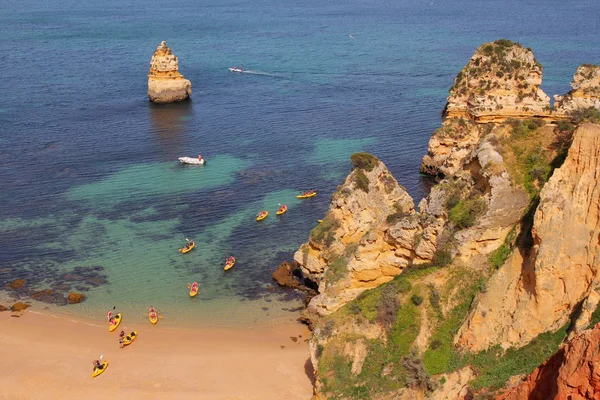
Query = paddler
x=97 y=364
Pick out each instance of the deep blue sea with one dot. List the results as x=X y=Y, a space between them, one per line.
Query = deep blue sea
x=92 y=197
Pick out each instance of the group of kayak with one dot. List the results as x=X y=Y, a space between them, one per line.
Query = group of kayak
x=229 y=262
x=282 y=207
x=124 y=340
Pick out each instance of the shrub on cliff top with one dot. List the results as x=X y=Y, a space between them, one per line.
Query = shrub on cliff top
x=588 y=115
x=364 y=161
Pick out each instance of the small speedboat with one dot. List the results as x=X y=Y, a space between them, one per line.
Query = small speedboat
x=192 y=160
x=236 y=69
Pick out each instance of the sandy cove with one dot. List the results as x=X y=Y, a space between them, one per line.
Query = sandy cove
x=45 y=356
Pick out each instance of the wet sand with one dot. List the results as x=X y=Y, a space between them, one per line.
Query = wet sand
x=46 y=356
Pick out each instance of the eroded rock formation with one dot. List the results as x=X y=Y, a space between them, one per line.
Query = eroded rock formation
x=369 y=235
x=537 y=289
x=571 y=373
x=585 y=91
x=165 y=82
x=502 y=80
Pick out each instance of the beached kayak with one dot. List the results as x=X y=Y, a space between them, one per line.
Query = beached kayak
x=262 y=215
x=319 y=220
x=100 y=370
x=184 y=250
x=117 y=318
x=306 y=196
x=194 y=290
x=192 y=160
x=129 y=338
x=281 y=210
x=229 y=265
x=153 y=318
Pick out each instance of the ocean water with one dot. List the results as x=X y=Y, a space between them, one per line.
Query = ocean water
x=92 y=197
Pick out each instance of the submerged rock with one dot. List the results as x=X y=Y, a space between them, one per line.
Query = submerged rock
x=165 y=82
x=17 y=284
x=75 y=298
x=3 y=308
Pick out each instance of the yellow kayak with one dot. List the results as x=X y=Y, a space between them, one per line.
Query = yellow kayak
x=319 y=220
x=306 y=196
x=194 y=291
x=153 y=318
x=281 y=210
x=100 y=370
x=117 y=320
x=184 y=250
x=129 y=338
x=262 y=215
x=229 y=265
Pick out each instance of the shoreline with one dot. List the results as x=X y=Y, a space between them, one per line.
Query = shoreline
x=51 y=354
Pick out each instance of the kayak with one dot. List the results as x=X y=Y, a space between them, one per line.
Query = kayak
x=194 y=292
x=183 y=250
x=262 y=215
x=319 y=220
x=306 y=196
x=129 y=338
x=281 y=210
x=229 y=265
x=191 y=160
x=117 y=318
x=100 y=370
x=152 y=319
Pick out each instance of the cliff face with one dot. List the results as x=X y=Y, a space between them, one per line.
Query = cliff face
x=585 y=91
x=537 y=289
x=571 y=373
x=165 y=82
x=508 y=242
x=502 y=80
x=369 y=235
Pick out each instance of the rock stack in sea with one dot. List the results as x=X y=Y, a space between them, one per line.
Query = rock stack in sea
x=165 y=82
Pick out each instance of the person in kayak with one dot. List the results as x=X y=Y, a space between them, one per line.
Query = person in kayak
x=109 y=315
x=97 y=364
x=153 y=312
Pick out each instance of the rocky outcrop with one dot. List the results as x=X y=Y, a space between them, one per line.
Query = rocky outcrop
x=165 y=82
x=537 y=289
x=75 y=298
x=585 y=91
x=571 y=373
x=18 y=307
x=369 y=235
x=502 y=80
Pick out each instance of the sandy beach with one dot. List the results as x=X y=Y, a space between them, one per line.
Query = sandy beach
x=46 y=356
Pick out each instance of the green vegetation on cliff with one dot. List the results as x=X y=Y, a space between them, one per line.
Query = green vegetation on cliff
x=364 y=161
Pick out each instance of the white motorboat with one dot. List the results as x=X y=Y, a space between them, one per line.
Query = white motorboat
x=192 y=160
x=236 y=69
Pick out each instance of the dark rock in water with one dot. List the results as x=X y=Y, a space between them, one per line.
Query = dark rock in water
x=19 y=306
x=284 y=275
x=64 y=287
x=3 y=308
x=75 y=298
x=48 y=296
x=17 y=284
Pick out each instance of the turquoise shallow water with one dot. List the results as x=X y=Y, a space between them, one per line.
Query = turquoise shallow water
x=92 y=197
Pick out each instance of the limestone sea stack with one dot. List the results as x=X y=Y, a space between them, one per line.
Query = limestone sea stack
x=165 y=82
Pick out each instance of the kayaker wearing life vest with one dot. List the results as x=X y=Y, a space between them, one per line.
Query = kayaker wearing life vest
x=152 y=312
x=109 y=315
